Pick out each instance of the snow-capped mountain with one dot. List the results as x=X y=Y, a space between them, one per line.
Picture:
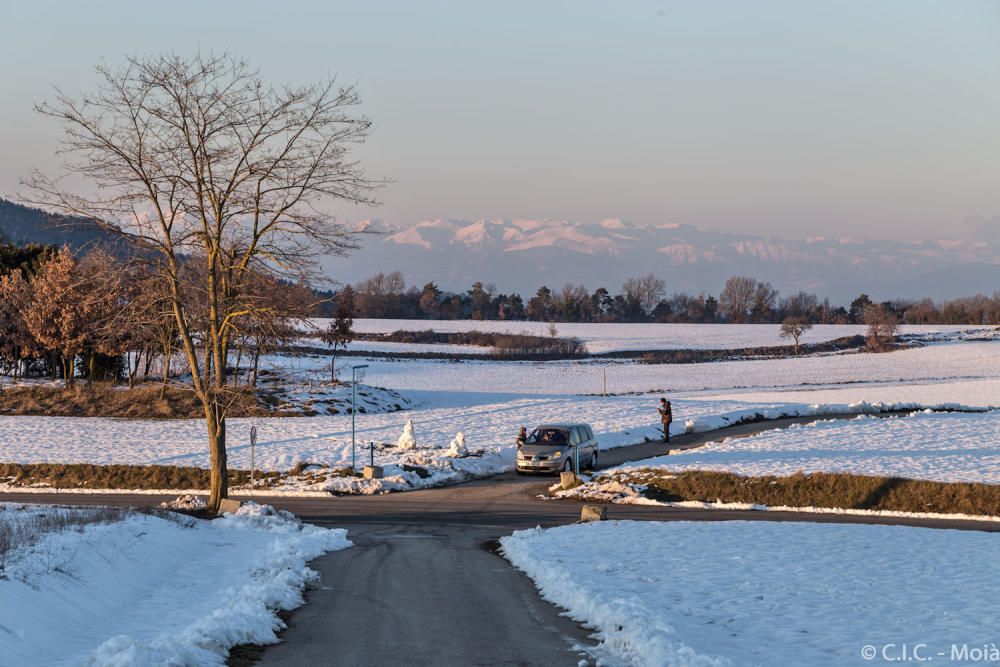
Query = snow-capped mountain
x=520 y=255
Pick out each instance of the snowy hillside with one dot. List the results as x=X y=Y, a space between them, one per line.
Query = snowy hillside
x=523 y=254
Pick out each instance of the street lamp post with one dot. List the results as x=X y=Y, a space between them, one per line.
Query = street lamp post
x=357 y=374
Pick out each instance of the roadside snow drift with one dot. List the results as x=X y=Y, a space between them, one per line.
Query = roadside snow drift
x=760 y=593
x=153 y=591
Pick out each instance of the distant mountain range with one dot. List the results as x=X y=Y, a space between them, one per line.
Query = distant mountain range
x=21 y=225
x=520 y=255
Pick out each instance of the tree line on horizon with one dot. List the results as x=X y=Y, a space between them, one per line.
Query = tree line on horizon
x=743 y=300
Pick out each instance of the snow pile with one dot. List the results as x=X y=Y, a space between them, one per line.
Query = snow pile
x=457 y=448
x=184 y=502
x=735 y=593
x=426 y=468
x=148 y=590
x=407 y=441
x=605 y=489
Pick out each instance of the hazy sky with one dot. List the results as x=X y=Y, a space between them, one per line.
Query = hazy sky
x=793 y=118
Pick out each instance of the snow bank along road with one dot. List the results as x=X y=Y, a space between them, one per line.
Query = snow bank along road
x=421 y=585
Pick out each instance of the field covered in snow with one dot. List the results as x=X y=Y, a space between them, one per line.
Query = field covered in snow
x=761 y=593
x=614 y=337
x=150 y=591
x=945 y=447
x=440 y=381
x=488 y=401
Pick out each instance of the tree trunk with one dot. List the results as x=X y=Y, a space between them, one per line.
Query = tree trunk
x=219 y=482
x=239 y=360
x=166 y=369
x=208 y=368
x=133 y=369
x=256 y=365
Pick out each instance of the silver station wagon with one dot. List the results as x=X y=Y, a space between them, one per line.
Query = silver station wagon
x=551 y=448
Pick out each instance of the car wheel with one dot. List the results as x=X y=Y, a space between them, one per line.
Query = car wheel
x=519 y=472
x=593 y=461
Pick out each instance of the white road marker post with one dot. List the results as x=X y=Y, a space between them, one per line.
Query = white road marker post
x=357 y=374
x=576 y=458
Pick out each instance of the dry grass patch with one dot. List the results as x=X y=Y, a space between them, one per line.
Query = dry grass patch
x=154 y=477
x=90 y=476
x=835 y=490
x=143 y=402
x=23 y=526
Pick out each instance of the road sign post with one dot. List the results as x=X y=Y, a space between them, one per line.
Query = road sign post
x=253 y=443
x=357 y=374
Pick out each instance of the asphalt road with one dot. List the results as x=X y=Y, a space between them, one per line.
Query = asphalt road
x=422 y=585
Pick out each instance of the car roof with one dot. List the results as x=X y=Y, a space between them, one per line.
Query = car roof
x=564 y=425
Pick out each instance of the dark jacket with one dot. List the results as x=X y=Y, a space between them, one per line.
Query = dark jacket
x=666 y=414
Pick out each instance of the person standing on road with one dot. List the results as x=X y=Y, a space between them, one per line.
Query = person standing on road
x=666 y=416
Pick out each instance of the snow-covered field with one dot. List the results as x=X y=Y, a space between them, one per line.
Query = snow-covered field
x=761 y=593
x=948 y=447
x=285 y=442
x=151 y=591
x=489 y=401
x=613 y=337
x=440 y=381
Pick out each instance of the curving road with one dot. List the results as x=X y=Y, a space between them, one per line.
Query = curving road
x=422 y=584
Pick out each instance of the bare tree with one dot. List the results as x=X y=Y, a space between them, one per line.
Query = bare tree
x=646 y=291
x=801 y=304
x=764 y=299
x=737 y=298
x=794 y=327
x=203 y=164
x=882 y=326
